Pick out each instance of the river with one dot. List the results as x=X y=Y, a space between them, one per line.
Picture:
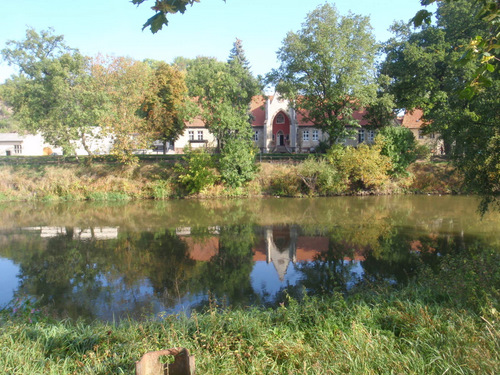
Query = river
x=109 y=261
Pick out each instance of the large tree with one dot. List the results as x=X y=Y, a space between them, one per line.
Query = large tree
x=51 y=94
x=223 y=92
x=165 y=103
x=425 y=74
x=124 y=84
x=327 y=69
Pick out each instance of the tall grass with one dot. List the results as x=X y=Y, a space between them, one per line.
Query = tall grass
x=312 y=177
x=377 y=332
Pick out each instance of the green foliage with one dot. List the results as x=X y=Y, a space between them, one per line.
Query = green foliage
x=197 y=172
x=224 y=92
x=398 y=143
x=423 y=152
x=320 y=177
x=424 y=73
x=162 y=9
x=327 y=69
x=165 y=103
x=51 y=94
x=365 y=167
x=237 y=162
x=482 y=49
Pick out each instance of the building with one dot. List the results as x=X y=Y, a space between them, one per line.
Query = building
x=413 y=121
x=35 y=145
x=276 y=127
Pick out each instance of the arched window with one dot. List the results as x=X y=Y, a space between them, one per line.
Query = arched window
x=280 y=119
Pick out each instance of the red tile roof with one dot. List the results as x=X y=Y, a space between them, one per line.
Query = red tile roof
x=257 y=108
x=413 y=119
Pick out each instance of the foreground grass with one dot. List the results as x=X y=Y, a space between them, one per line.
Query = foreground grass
x=380 y=331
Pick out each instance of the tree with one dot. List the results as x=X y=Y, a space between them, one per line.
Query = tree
x=52 y=93
x=482 y=49
x=223 y=97
x=7 y=123
x=237 y=55
x=398 y=143
x=162 y=8
x=165 y=102
x=327 y=69
x=224 y=92
x=123 y=82
x=424 y=75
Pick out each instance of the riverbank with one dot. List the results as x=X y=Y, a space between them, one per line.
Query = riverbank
x=433 y=327
x=159 y=180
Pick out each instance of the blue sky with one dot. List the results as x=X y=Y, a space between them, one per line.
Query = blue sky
x=114 y=27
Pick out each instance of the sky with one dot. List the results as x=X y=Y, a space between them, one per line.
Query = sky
x=209 y=28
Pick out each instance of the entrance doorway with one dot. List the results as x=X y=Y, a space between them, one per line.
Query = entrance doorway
x=281 y=138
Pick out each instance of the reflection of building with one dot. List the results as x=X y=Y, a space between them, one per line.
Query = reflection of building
x=277 y=245
x=97 y=233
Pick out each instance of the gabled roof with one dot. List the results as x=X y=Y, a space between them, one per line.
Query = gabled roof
x=257 y=109
x=413 y=119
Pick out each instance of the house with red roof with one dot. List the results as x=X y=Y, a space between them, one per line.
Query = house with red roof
x=277 y=127
x=413 y=120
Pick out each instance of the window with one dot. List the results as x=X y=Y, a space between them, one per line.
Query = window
x=361 y=135
x=305 y=135
x=315 y=135
x=280 y=119
x=18 y=149
x=200 y=135
x=432 y=136
x=420 y=134
x=191 y=135
x=371 y=136
x=256 y=135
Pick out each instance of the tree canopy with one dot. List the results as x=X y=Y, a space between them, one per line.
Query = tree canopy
x=165 y=102
x=327 y=69
x=424 y=73
x=51 y=94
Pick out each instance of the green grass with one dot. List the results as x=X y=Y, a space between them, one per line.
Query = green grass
x=379 y=331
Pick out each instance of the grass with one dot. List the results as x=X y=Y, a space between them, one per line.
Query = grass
x=446 y=323
x=102 y=181
x=377 y=331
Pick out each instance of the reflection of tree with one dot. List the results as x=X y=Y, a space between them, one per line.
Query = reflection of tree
x=227 y=275
x=166 y=263
x=72 y=275
x=64 y=268
x=331 y=271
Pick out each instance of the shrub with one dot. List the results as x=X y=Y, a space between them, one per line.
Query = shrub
x=160 y=189
x=423 y=152
x=365 y=167
x=319 y=176
x=398 y=143
x=198 y=171
x=237 y=162
x=280 y=180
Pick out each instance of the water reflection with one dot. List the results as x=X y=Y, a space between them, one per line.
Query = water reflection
x=107 y=262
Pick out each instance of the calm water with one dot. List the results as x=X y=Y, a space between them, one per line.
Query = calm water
x=107 y=261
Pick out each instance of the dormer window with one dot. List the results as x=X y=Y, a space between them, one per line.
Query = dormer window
x=280 y=119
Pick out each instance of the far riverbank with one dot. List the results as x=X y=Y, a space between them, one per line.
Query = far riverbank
x=158 y=179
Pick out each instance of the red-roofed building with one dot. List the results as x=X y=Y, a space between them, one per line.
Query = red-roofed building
x=413 y=121
x=277 y=127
